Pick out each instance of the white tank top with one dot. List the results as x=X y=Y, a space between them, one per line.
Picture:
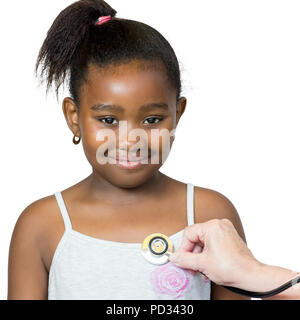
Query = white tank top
x=84 y=267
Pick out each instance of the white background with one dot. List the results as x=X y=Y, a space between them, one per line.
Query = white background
x=241 y=76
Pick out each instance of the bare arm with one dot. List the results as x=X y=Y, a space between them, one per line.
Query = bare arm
x=27 y=276
x=217 y=206
x=261 y=277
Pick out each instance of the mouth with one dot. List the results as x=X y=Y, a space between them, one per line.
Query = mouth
x=129 y=164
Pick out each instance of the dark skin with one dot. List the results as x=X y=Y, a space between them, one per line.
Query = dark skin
x=113 y=203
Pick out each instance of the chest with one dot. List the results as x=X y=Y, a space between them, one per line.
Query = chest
x=87 y=268
x=129 y=225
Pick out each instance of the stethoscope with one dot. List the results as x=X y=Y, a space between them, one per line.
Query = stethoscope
x=157 y=247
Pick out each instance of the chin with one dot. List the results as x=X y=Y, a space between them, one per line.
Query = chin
x=128 y=183
x=130 y=179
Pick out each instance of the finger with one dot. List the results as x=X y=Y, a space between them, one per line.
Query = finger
x=188 y=260
x=204 y=278
x=193 y=234
x=192 y=272
x=197 y=249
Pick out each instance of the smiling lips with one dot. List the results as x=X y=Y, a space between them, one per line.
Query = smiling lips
x=126 y=164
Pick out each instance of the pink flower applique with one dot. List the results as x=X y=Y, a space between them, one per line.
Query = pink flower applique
x=170 y=281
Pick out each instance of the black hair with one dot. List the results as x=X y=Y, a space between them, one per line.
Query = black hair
x=73 y=41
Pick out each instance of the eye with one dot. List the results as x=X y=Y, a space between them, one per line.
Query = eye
x=107 y=120
x=153 y=120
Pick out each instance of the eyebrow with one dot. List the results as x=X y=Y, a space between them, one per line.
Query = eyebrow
x=114 y=107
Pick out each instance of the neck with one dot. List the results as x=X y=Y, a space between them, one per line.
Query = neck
x=100 y=189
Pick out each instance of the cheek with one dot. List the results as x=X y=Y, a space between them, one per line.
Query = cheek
x=161 y=140
x=90 y=133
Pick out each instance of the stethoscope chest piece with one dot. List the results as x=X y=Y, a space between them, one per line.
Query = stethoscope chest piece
x=156 y=248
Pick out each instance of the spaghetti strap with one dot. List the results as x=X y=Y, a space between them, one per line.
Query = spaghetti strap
x=63 y=210
x=190 y=204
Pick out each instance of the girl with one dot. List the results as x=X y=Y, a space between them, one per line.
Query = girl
x=84 y=242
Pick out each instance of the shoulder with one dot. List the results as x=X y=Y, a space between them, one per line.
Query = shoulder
x=36 y=214
x=211 y=204
x=36 y=222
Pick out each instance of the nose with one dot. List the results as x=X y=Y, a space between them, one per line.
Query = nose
x=124 y=142
x=128 y=143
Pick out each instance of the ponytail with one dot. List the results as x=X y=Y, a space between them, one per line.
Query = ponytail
x=65 y=36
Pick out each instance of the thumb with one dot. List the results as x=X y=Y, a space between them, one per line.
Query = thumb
x=188 y=260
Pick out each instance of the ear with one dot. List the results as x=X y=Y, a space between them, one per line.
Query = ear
x=180 y=108
x=71 y=113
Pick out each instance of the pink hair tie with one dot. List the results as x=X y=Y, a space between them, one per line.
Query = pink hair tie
x=102 y=19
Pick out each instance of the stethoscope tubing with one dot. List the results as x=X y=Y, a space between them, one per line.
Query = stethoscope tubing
x=266 y=294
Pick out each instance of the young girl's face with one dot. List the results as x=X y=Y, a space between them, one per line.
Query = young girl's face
x=122 y=94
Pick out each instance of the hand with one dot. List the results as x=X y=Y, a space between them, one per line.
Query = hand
x=215 y=249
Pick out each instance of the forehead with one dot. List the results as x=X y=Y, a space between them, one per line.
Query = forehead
x=134 y=83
